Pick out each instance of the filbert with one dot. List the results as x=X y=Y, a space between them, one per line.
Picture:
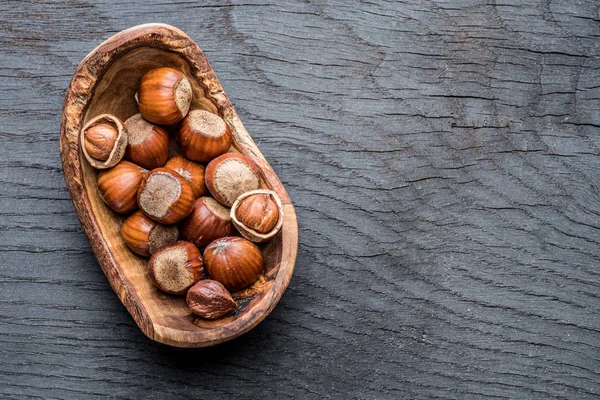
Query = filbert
x=203 y=136
x=164 y=96
x=165 y=196
x=230 y=175
x=174 y=268
x=233 y=261
x=190 y=171
x=258 y=215
x=144 y=235
x=208 y=221
x=147 y=144
x=119 y=186
x=103 y=141
x=209 y=299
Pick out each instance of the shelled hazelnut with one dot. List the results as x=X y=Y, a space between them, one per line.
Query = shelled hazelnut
x=103 y=141
x=257 y=215
x=210 y=300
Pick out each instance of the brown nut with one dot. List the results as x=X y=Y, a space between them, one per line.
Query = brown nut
x=203 y=136
x=100 y=140
x=209 y=299
x=147 y=144
x=164 y=96
x=233 y=261
x=209 y=221
x=144 y=236
x=175 y=267
x=230 y=175
x=119 y=185
x=191 y=171
x=103 y=141
x=257 y=215
x=165 y=196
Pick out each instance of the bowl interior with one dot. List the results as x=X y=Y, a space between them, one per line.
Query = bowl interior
x=115 y=94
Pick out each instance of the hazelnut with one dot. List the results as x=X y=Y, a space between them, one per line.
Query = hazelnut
x=209 y=221
x=165 y=196
x=258 y=215
x=190 y=171
x=233 y=261
x=119 y=186
x=230 y=175
x=147 y=144
x=203 y=136
x=144 y=236
x=100 y=140
x=164 y=96
x=103 y=141
x=175 y=267
x=209 y=299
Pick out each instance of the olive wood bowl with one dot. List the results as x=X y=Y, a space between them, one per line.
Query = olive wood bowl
x=106 y=82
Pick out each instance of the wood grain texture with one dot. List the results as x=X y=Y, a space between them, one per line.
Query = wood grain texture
x=442 y=157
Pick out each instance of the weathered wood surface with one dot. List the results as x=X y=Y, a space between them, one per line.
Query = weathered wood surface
x=443 y=160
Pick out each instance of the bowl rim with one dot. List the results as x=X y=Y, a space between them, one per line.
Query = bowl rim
x=77 y=98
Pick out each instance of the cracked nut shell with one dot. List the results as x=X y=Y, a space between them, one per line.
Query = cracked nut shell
x=104 y=141
x=258 y=215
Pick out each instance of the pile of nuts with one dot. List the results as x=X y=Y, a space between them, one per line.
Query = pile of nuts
x=177 y=206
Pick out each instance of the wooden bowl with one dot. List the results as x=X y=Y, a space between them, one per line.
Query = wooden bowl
x=106 y=82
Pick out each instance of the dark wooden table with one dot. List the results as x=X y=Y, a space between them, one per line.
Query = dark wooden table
x=443 y=157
